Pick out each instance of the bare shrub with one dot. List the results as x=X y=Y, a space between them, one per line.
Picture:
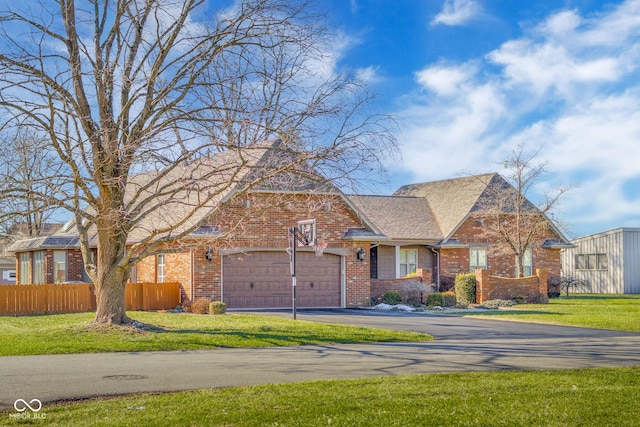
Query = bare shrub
x=200 y=306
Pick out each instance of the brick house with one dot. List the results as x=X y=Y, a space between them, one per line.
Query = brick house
x=441 y=227
x=429 y=227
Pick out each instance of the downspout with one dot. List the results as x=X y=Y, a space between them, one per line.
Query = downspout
x=437 y=268
x=191 y=274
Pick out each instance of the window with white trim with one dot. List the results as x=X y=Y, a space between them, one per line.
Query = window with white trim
x=23 y=260
x=160 y=268
x=38 y=267
x=477 y=258
x=527 y=263
x=59 y=266
x=408 y=261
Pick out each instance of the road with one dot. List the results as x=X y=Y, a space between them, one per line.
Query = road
x=461 y=345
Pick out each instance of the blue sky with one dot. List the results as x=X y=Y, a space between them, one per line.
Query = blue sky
x=472 y=79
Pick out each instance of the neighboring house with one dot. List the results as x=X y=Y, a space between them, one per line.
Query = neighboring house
x=607 y=262
x=17 y=232
x=248 y=266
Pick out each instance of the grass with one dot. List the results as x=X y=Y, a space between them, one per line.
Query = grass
x=73 y=333
x=594 y=397
x=619 y=312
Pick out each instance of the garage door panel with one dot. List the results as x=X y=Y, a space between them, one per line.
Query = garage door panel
x=263 y=280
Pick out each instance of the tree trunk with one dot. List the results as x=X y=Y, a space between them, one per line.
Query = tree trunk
x=110 y=298
x=111 y=278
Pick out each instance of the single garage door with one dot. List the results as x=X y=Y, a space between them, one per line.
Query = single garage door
x=263 y=280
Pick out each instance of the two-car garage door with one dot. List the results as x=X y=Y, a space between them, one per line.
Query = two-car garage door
x=263 y=280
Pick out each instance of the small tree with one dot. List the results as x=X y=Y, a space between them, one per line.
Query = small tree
x=30 y=177
x=512 y=218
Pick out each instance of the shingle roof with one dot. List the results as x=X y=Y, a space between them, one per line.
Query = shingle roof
x=48 y=242
x=400 y=218
x=450 y=200
x=171 y=201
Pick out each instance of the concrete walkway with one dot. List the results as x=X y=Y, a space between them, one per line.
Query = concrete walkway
x=461 y=345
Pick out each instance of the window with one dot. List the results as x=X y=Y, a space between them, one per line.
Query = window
x=408 y=261
x=477 y=259
x=133 y=274
x=59 y=266
x=9 y=275
x=527 y=264
x=23 y=260
x=160 y=269
x=38 y=267
x=592 y=262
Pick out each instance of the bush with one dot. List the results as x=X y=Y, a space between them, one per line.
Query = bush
x=186 y=306
x=391 y=298
x=449 y=299
x=200 y=306
x=519 y=299
x=435 y=298
x=496 y=303
x=217 y=307
x=413 y=301
x=465 y=288
x=538 y=298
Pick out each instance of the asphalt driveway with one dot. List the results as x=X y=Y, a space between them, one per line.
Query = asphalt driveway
x=461 y=345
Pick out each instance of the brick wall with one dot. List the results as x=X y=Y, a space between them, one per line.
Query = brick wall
x=500 y=260
x=266 y=219
x=423 y=276
x=75 y=265
x=532 y=288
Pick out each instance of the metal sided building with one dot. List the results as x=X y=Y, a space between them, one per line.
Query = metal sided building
x=608 y=262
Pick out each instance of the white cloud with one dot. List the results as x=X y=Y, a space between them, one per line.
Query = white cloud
x=570 y=84
x=457 y=12
x=445 y=80
x=368 y=75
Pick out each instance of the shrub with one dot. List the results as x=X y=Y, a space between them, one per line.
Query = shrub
x=186 y=306
x=538 y=298
x=391 y=298
x=519 y=299
x=465 y=288
x=496 y=303
x=412 y=290
x=217 y=307
x=200 y=306
x=435 y=298
x=449 y=299
x=413 y=301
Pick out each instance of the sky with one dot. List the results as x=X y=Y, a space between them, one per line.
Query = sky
x=471 y=80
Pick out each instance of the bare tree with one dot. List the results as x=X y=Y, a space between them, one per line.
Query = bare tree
x=30 y=175
x=511 y=217
x=135 y=97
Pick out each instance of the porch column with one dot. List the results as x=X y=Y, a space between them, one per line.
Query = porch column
x=396 y=257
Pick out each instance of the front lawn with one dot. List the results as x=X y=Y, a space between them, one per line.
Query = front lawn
x=73 y=333
x=589 y=397
x=619 y=312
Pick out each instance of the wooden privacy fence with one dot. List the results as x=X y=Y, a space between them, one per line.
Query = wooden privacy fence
x=151 y=296
x=74 y=298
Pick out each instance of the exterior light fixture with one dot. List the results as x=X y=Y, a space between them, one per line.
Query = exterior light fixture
x=209 y=255
x=360 y=254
